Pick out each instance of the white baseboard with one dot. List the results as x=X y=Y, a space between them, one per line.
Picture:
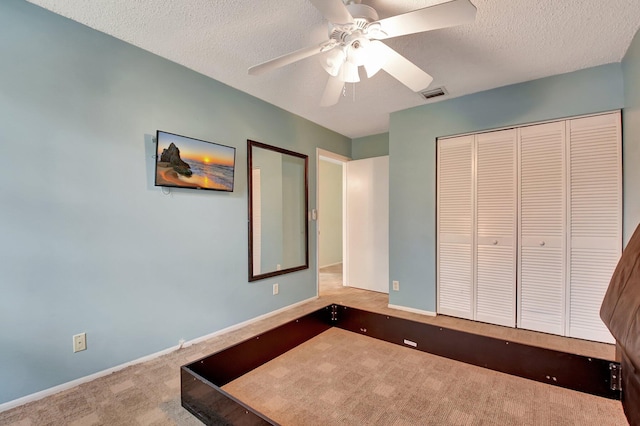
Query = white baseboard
x=73 y=383
x=412 y=310
x=246 y=323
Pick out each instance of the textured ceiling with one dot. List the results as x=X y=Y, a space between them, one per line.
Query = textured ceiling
x=510 y=41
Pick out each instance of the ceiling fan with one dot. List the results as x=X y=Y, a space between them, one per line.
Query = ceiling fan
x=354 y=40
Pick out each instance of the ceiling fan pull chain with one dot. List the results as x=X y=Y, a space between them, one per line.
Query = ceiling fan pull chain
x=344 y=90
x=354 y=91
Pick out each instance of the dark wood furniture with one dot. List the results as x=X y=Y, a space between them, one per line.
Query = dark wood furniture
x=202 y=380
x=621 y=313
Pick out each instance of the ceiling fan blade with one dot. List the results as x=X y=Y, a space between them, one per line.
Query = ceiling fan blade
x=333 y=10
x=402 y=69
x=287 y=59
x=449 y=14
x=332 y=91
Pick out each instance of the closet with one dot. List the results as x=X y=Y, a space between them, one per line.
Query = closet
x=529 y=224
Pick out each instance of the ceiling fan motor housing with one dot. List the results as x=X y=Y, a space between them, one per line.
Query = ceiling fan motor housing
x=362 y=15
x=354 y=34
x=362 y=11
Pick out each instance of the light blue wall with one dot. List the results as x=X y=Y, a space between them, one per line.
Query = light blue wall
x=330 y=218
x=370 y=146
x=87 y=243
x=412 y=172
x=631 y=137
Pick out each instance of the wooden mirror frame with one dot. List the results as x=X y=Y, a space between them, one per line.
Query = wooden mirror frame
x=250 y=145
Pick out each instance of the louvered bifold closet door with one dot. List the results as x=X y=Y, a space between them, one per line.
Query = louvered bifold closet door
x=541 y=270
x=595 y=205
x=455 y=226
x=496 y=227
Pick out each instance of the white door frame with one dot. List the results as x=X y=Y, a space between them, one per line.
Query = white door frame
x=338 y=159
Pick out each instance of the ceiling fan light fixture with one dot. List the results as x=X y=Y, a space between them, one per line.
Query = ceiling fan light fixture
x=358 y=51
x=372 y=68
x=349 y=73
x=376 y=59
x=333 y=60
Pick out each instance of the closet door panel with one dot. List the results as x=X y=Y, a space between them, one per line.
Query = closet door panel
x=455 y=280
x=496 y=227
x=541 y=273
x=495 y=297
x=542 y=289
x=595 y=205
x=455 y=227
x=591 y=272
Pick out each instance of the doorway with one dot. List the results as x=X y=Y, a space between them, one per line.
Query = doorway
x=352 y=223
x=330 y=221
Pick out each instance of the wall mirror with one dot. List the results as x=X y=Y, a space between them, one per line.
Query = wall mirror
x=278 y=205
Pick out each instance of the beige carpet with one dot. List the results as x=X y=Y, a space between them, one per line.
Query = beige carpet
x=149 y=393
x=343 y=378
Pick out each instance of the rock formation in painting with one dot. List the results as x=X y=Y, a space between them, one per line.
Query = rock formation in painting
x=171 y=155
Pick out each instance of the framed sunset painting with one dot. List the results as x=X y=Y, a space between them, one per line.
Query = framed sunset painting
x=183 y=162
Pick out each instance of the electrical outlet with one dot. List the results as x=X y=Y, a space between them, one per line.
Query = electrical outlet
x=396 y=285
x=275 y=289
x=80 y=342
x=278 y=267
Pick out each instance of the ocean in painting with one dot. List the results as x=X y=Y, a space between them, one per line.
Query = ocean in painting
x=209 y=175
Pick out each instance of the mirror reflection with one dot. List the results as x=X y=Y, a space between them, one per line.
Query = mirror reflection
x=278 y=204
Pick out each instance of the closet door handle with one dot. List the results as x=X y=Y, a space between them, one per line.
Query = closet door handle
x=541 y=243
x=495 y=242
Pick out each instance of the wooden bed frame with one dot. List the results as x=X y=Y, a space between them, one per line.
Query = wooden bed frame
x=202 y=380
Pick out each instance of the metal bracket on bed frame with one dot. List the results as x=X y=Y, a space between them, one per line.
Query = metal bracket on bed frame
x=616 y=376
x=334 y=313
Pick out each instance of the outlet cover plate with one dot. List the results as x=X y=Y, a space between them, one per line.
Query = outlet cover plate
x=80 y=342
